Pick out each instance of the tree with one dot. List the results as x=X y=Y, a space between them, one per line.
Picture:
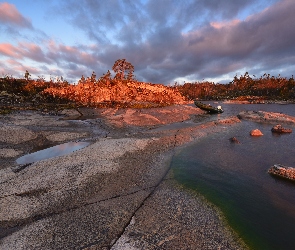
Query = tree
x=27 y=75
x=120 y=67
x=93 y=77
x=82 y=80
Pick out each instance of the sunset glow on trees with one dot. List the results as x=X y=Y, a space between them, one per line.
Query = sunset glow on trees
x=123 y=90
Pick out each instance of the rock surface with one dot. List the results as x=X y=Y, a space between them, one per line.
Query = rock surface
x=15 y=134
x=117 y=193
x=256 y=132
x=282 y=171
x=262 y=116
x=280 y=129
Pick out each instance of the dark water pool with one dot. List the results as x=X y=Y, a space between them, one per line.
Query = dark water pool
x=259 y=207
x=54 y=151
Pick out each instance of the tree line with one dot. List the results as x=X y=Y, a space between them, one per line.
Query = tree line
x=122 y=90
x=244 y=87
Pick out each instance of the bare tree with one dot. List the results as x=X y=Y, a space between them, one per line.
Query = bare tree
x=120 y=67
x=27 y=75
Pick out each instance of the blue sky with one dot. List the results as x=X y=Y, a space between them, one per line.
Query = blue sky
x=165 y=40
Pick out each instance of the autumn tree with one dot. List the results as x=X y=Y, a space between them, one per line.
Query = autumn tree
x=120 y=67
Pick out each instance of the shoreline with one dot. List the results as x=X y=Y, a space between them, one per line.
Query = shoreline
x=117 y=193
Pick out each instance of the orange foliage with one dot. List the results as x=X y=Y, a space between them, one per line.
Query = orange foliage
x=89 y=93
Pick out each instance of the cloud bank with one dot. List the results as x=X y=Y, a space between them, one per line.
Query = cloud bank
x=165 y=40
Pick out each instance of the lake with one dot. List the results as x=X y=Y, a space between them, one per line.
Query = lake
x=259 y=207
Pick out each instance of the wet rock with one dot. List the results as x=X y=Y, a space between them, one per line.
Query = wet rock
x=256 y=132
x=282 y=171
x=279 y=129
x=234 y=140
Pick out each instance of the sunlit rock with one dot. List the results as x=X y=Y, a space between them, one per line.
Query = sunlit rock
x=256 y=132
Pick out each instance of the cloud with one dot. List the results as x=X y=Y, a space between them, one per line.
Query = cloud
x=220 y=48
x=9 y=50
x=11 y=16
x=165 y=40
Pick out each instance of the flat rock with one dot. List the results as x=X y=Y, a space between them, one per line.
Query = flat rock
x=65 y=136
x=262 y=116
x=9 y=152
x=85 y=200
x=69 y=113
x=15 y=134
x=152 y=116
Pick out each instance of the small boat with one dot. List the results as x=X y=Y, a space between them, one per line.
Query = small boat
x=209 y=108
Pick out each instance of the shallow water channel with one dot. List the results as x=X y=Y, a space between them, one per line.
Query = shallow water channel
x=259 y=207
x=54 y=151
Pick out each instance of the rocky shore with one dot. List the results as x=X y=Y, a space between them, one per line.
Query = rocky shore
x=116 y=193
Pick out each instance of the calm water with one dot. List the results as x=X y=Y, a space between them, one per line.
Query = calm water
x=234 y=177
x=54 y=151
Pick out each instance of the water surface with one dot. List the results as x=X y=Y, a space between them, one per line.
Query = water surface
x=54 y=151
x=234 y=177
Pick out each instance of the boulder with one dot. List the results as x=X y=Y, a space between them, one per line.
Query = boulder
x=279 y=129
x=282 y=171
x=256 y=132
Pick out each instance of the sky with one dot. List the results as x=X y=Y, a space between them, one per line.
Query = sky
x=166 y=41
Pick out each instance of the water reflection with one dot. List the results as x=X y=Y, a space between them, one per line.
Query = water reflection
x=58 y=150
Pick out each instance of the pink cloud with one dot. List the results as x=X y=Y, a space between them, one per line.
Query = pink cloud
x=9 y=50
x=229 y=24
x=60 y=52
x=16 y=68
x=33 y=52
x=9 y=14
x=24 y=50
